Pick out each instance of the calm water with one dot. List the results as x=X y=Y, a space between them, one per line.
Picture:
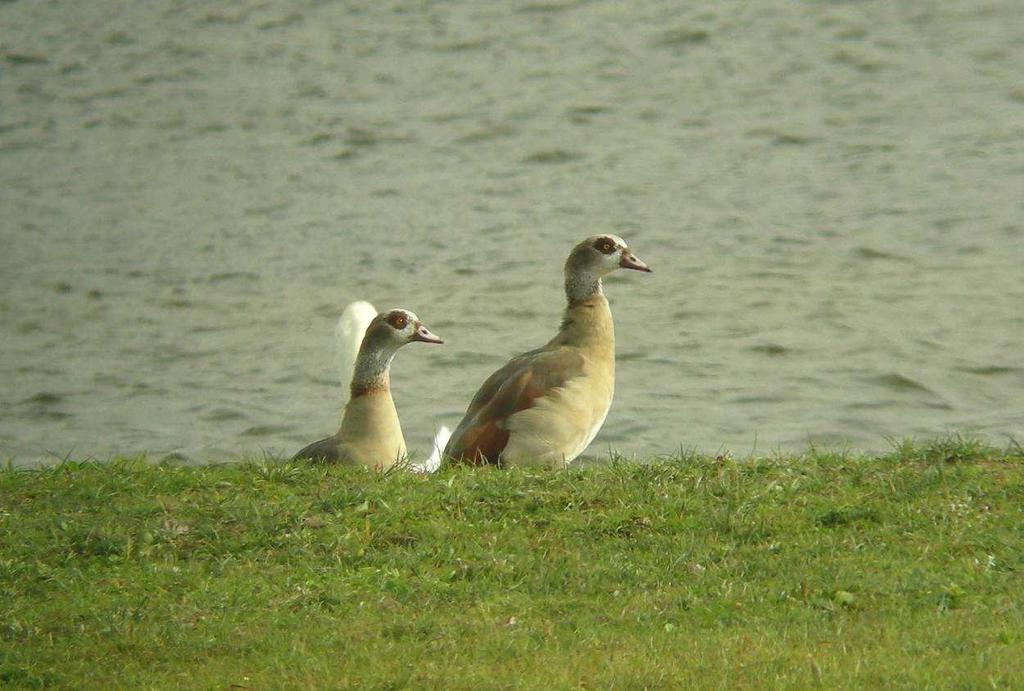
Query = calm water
x=831 y=195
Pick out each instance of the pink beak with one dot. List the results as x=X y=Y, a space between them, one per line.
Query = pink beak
x=631 y=261
x=423 y=334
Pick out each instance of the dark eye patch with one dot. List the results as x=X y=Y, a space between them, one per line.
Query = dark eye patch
x=397 y=320
x=604 y=245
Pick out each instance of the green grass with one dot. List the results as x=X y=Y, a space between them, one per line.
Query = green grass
x=905 y=570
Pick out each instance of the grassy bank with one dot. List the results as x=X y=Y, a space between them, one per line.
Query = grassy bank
x=901 y=570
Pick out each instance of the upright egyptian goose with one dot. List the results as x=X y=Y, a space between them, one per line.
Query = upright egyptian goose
x=547 y=405
x=370 y=434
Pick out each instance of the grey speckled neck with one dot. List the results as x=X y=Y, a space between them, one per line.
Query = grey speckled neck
x=580 y=285
x=373 y=365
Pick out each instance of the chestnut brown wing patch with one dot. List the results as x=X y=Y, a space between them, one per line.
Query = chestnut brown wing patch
x=482 y=435
x=480 y=444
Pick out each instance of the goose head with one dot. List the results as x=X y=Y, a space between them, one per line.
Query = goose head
x=398 y=327
x=387 y=332
x=594 y=258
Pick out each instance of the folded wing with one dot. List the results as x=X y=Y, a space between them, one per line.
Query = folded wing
x=483 y=433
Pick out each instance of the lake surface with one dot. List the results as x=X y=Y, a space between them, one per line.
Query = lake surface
x=831 y=195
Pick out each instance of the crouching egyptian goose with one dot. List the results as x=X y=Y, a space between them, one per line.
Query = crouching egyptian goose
x=370 y=434
x=547 y=405
x=348 y=336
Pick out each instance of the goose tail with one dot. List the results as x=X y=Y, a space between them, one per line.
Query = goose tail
x=440 y=441
x=433 y=461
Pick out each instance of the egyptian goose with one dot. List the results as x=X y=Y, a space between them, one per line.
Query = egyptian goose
x=348 y=336
x=370 y=434
x=547 y=405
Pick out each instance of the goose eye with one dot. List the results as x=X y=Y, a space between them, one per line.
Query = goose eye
x=605 y=246
x=398 y=321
